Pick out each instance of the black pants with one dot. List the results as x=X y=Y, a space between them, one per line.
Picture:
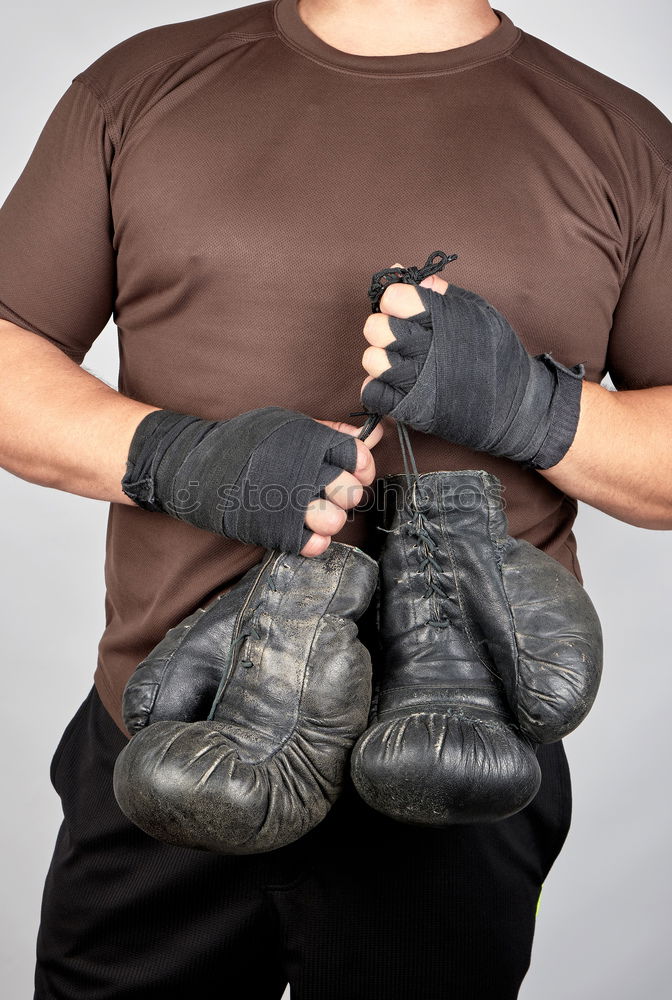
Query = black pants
x=362 y=907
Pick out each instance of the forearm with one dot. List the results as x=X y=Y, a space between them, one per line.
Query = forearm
x=620 y=460
x=59 y=425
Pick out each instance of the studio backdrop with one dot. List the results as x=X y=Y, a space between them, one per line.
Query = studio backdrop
x=603 y=928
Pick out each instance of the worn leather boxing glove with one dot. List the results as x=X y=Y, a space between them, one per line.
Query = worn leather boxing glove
x=250 y=477
x=441 y=746
x=458 y=370
x=245 y=714
x=462 y=601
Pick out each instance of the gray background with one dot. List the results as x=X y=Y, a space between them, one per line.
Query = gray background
x=604 y=923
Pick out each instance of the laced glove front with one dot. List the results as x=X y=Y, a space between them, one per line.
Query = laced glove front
x=460 y=371
x=442 y=746
x=488 y=647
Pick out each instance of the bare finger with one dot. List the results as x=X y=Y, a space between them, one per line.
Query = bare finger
x=375 y=361
x=316 y=545
x=325 y=517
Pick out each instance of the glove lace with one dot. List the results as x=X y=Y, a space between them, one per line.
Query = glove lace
x=250 y=631
x=437 y=582
x=408 y=275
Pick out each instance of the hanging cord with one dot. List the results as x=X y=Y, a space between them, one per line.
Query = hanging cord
x=408 y=458
x=408 y=275
x=417 y=525
x=379 y=282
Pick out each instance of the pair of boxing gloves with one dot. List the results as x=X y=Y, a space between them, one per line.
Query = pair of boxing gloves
x=249 y=712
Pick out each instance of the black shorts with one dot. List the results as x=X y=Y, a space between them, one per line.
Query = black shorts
x=362 y=907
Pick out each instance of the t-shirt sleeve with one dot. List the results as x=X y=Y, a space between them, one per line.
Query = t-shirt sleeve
x=57 y=261
x=639 y=353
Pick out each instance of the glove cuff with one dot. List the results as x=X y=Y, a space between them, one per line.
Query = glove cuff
x=153 y=435
x=563 y=415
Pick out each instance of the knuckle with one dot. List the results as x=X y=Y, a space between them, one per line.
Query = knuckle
x=339 y=519
x=367 y=475
x=393 y=296
x=316 y=545
x=352 y=495
x=332 y=520
x=376 y=326
x=369 y=358
x=371 y=324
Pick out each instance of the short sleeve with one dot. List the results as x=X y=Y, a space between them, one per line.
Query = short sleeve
x=57 y=262
x=639 y=353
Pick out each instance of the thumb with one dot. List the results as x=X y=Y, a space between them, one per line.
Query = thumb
x=339 y=425
x=436 y=284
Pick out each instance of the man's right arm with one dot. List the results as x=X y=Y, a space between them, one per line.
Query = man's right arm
x=60 y=426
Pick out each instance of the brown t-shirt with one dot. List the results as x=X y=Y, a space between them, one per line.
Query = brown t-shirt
x=225 y=187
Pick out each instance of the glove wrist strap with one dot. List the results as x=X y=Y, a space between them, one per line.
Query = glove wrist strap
x=563 y=414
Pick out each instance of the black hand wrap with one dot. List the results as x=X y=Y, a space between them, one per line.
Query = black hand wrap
x=250 y=477
x=460 y=371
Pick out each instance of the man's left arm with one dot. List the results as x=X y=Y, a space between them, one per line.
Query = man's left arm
x=620 y=460
x=451 y=365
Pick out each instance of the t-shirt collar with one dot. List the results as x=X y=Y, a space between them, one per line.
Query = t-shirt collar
x=295 y=33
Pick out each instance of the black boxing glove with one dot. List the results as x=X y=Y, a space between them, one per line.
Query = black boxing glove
x=488 y=647
x=442 y=746
x=460 y=371
x=243 y=717
x=250 y=477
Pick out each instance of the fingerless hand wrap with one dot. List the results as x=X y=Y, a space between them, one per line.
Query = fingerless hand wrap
x=460 y=371
x=250 y=477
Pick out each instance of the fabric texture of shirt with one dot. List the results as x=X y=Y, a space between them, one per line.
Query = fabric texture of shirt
x=225 y=187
